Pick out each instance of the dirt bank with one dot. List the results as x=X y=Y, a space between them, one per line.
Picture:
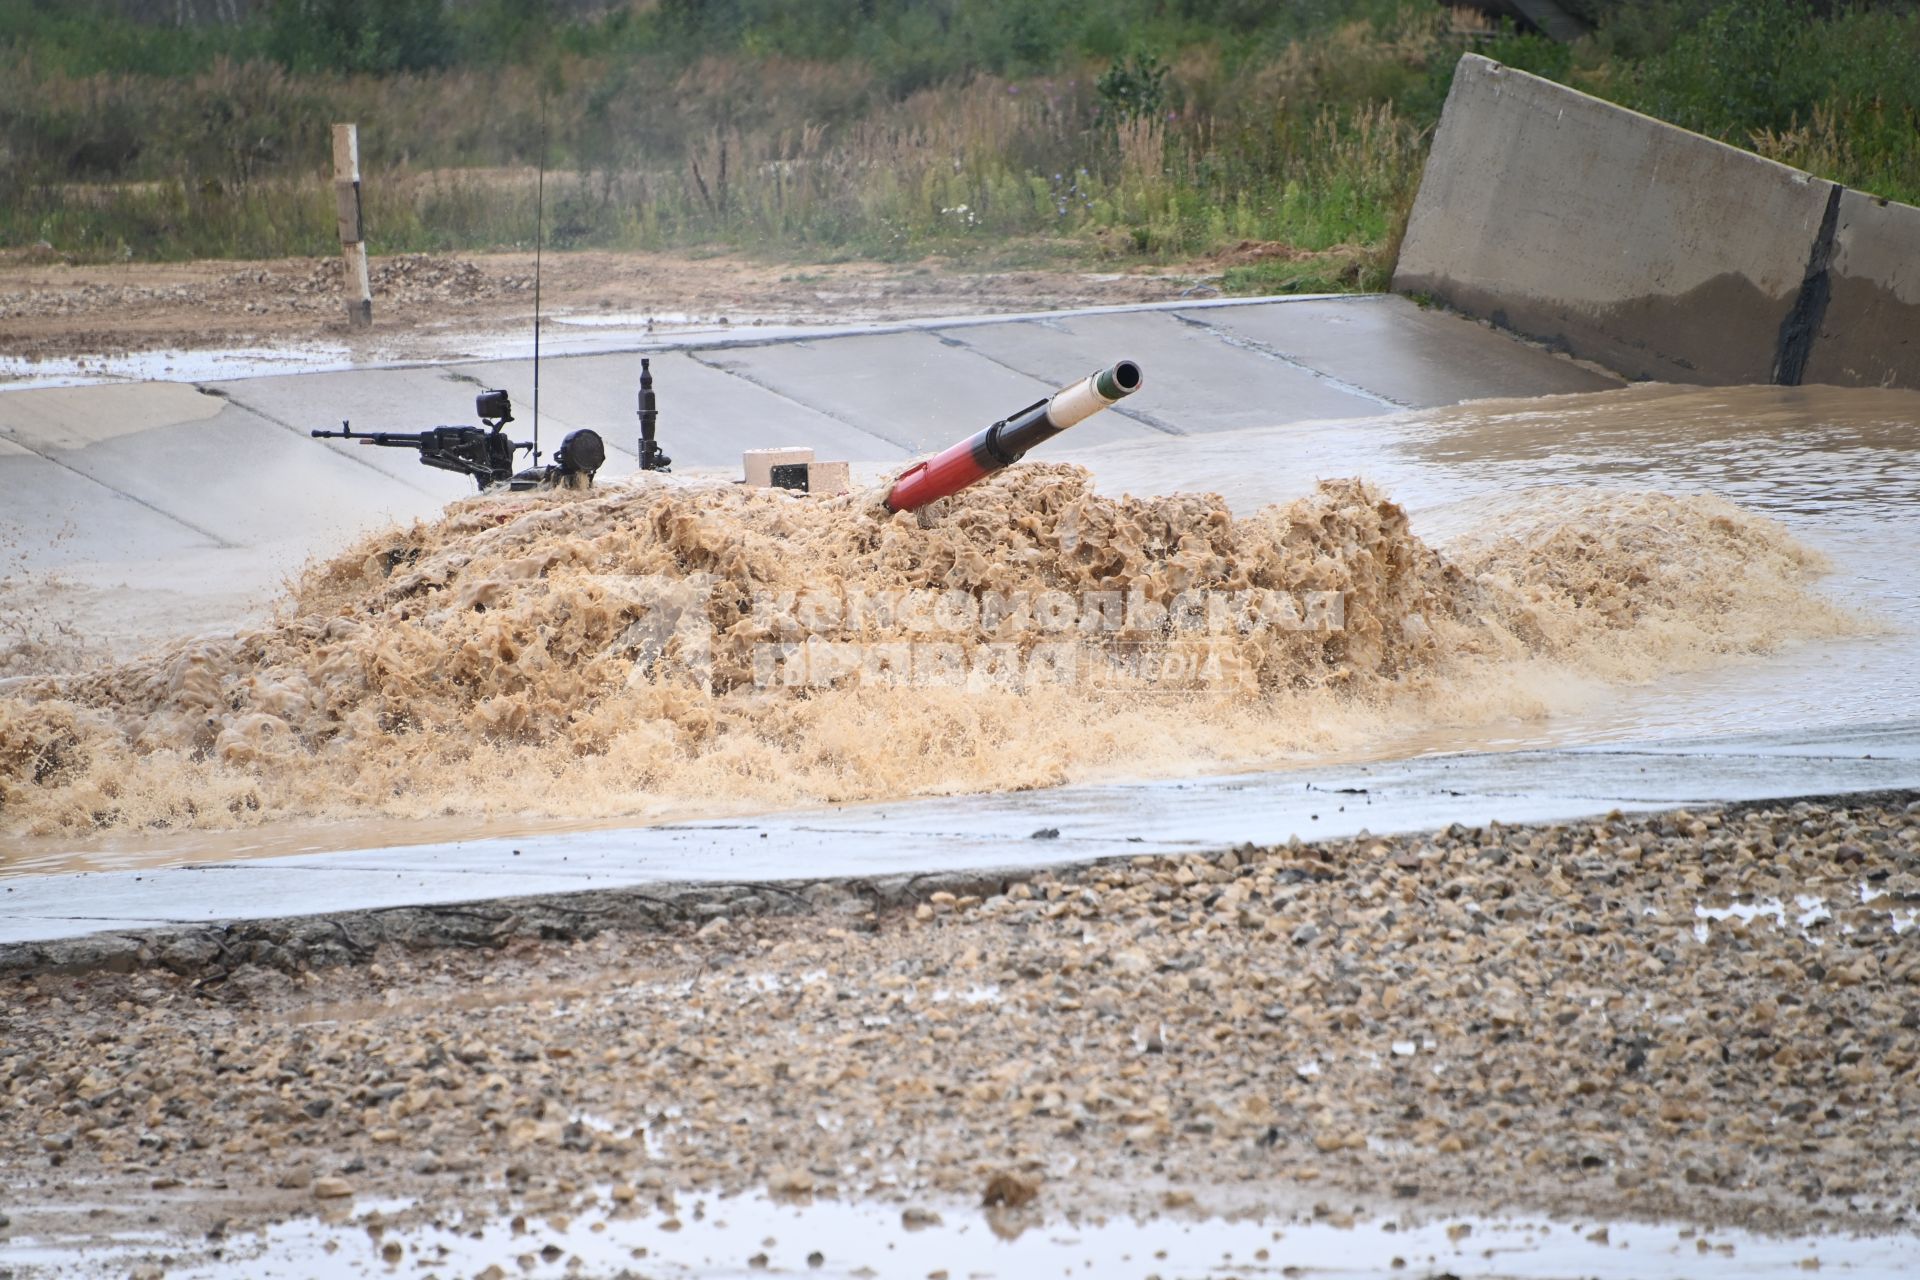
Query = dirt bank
x=1530 y=1017
x=426 y=306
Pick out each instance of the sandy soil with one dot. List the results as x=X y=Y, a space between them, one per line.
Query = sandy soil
x=49 y=309
x=1528 y=1017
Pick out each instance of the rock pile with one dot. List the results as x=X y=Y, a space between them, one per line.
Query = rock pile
x=1714 y=1016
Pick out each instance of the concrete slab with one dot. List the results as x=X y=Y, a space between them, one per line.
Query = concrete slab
x=372 y=400
x=998 y=831
x=1410 y=356
x=244 y=481
x=67 y=419
x=708 y=416
x=54 y=517
x=59 y=510
x=915 y=391
x=1216 y=385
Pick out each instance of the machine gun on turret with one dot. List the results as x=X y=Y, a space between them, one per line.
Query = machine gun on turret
x=486 y=452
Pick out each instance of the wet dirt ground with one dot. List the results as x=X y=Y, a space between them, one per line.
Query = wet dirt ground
x=430 y=306
x=1704 y=1018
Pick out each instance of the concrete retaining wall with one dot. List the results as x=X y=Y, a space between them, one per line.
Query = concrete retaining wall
x=1870 y=335
x=1655 y=251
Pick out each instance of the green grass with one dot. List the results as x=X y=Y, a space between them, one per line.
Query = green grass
x=1840 y=97
x=1114 y=131
x=1317 y=273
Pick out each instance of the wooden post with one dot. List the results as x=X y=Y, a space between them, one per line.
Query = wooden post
x=353 y=245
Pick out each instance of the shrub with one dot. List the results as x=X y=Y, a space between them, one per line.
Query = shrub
x=377 y=36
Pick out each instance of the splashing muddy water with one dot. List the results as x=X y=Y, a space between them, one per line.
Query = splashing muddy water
x=1837 y=467
x=491 y=664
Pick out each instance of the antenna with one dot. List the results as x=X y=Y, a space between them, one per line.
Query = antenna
x=539 y=239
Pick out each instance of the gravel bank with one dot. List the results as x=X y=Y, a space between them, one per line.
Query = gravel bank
x=1527 y=1017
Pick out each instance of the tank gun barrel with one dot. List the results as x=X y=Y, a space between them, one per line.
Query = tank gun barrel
x=1007 y=441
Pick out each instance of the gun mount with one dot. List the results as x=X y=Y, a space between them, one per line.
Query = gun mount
x=486 y=452
x=651 y=456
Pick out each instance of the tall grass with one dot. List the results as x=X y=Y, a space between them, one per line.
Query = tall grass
x=1122 y=129
x=776 y=153
x=1839 y=97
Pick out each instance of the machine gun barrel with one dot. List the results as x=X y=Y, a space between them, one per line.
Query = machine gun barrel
x=1007 y=441
x=389 y=439
x=483 y=453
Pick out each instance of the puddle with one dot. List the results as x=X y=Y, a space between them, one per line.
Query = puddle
x=593 y=334
x=661 y=320
x=583 y=333
x=754 y=1235
x=179 y=366
x=1808 y=914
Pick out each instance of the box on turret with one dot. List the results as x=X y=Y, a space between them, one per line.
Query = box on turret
x=795 y=469
x=759 y=463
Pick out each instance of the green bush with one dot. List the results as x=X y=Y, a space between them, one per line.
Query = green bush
x=1839 y=94
x=86 y=39
x=1133 y=88
x=376 y=36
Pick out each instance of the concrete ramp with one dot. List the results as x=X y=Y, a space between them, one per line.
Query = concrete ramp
x=132 y=513
x=163 y=505
x=134 y=472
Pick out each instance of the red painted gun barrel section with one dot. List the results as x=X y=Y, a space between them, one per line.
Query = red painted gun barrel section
x=947 y=472
x=1007 y=441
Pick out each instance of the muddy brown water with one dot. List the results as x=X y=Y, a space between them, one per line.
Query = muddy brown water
x=1836 y=467
x=1632 y=565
